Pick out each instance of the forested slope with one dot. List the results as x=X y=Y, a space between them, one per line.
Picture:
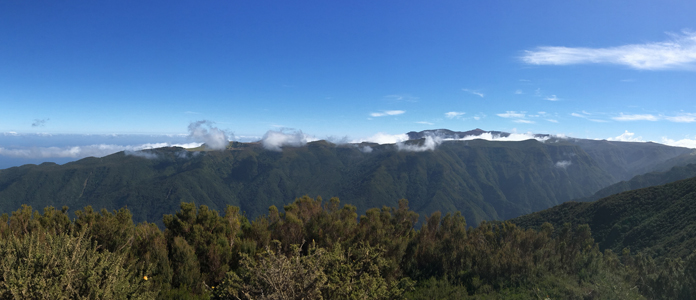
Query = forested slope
x=645 y=180
x=660 y=220
x=484 y=180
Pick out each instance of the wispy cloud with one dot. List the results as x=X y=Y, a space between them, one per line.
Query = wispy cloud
x=523 y=121
x=401 y=98
x=586 y=115
x=474 y=92
x=425 y=123
x=552 y=120
x=521 y=117
x=479 y=116
x=39 y=122
x=682 y=118
x=552 y=98
x=387 y=113
x=679 y=52
x=563 y=164
x=637 y=117
x=627 y=137
x=454 y=114
x=518 y=92
x=511 y=114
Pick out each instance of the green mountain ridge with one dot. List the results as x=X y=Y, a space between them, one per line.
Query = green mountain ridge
x=659 y=220
x=645 y=180
x=485 y=180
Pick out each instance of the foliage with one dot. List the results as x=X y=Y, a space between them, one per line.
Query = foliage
x=44 y=265
x=659 y=220
x=321 y=273
x=319 y=250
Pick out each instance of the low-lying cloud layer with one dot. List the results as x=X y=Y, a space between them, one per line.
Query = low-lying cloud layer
x=432 y=141
x=99 y=150
x=513 y=137
x=686 y=143
x=383 y=138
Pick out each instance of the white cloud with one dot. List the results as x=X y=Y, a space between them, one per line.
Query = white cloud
x=205 y=132
x=512 y=114
x=97 y=150
x=552 y=120
x=424 y=123
x=677 y=53
x=383 y=138
x=518 y=92
x=683 y=118
x=401 y=98
x=430 y=143
x=645 y=117
x=586 y=115
x=524 y=121
x=552 y=98
x=513 y=137
x=365 y=149
x=477 y=93
x=479 y=116
x=387 y=113
x=627 y=137
x=274 y=140
x=563 y=164
x=454 y=114
x=687 y=143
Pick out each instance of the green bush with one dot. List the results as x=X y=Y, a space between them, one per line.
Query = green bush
x=42 y=265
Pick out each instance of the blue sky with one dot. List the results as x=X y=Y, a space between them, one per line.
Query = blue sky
x=588 y=69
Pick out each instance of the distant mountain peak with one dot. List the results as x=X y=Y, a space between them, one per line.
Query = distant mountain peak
x=450 y=134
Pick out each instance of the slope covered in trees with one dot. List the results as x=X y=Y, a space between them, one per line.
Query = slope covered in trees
x=659 y=220
x=484 y=180
x=645 y=180
x=622 y=160
x=314 y=249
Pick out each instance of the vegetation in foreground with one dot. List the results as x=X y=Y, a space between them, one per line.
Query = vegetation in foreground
x=318 y=250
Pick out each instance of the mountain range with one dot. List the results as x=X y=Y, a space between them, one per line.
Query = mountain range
x=484 y=179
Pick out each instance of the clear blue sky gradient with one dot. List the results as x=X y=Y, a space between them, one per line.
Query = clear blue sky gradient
x=330 y=68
